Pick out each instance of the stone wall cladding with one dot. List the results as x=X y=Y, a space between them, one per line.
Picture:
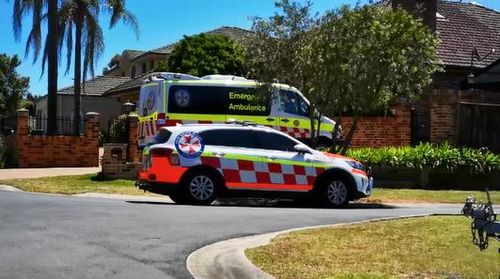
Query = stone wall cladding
x=42 y=151
x=381 y=131
x=443 y=116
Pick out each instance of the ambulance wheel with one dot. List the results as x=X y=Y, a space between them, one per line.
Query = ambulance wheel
x=201 y=187
x=335 y=192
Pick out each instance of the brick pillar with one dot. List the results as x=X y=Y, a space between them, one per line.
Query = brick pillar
x=92 y=130
x=132 y=152
x=443 y=116
x=403 y=124
x=22 y=122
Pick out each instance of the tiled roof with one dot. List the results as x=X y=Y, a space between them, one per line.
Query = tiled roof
x=465 y=26
x=132 y=53
x=131 y=83
x=96 y=86
x=461 y=27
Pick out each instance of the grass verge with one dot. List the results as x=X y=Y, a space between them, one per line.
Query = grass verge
x=431 y=196
x=429 y=247
x=75 y=184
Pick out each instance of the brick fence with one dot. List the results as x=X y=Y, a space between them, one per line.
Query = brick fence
x=41 y=151
x=381 y=130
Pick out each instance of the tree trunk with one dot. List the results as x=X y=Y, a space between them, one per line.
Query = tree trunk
x=78 y=68
x=52 y=65
x=335 y=148
x=350 y=135
x=313 y=134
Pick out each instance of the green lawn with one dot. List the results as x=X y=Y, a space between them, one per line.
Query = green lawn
x=75 y=184
x=430 y=247
x=433 y=196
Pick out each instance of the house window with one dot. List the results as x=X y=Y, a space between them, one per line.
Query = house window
x=143 y=68
x=151 y=65
x=132 y=73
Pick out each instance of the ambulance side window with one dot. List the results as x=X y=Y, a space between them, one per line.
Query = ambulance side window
x=274 y=141
x=293 y=103
x=232 y=138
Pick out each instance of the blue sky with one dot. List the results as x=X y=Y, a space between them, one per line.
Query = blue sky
x=161 y=22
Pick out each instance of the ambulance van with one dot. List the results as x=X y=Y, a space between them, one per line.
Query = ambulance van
x=170 y=99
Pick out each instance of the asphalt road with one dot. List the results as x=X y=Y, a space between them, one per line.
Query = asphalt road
x=50 y=236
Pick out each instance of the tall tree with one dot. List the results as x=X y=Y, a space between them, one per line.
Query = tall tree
x=281 y=49
x=350 y=59
x=41 y=9
x=205 y=54
x=13 y=87
x=369 y=57
x=83 y=17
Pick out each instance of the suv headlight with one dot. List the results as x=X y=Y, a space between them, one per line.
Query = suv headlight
x=356 y=165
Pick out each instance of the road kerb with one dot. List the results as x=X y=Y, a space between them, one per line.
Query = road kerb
x=226 y=259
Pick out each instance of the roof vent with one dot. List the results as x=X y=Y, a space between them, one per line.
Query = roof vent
x=440 y=17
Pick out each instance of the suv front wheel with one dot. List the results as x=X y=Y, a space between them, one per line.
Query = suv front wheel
x=335 y=192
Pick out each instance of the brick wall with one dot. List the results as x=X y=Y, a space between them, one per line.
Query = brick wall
x=41 y=151
x=381 y=131
x=443 y=104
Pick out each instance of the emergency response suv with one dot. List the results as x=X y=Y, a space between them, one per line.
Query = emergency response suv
x=195 y=164
x=168 y=99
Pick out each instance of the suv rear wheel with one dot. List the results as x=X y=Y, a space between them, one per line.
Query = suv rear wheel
x=201 y=188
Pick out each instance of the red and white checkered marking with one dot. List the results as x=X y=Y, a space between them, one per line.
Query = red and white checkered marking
x=245 y=171
x=297 y=133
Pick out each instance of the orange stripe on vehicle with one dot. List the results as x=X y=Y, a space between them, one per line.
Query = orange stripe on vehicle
x=269 y=186
x=360 y=172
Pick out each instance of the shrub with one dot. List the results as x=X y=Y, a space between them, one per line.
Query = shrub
x=429 y=156
x=117 y=130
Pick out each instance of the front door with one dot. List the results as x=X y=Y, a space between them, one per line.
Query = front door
x=294 y=115
x=284 y=168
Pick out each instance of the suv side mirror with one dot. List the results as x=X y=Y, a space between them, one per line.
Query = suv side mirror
x=300 y=148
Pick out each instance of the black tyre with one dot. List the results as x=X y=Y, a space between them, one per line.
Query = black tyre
x=178 y=197
x=201 y=187
x=335 y=192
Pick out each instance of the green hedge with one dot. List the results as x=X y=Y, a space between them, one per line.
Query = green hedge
x=442 y=157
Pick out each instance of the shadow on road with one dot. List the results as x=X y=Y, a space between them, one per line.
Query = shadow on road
x=276 y=203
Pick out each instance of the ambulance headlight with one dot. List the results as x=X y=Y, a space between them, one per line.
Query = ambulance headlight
x=356 y=165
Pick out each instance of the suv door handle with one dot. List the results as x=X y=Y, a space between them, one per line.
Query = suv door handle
x=270 y=119
x=284 y=120
x=219 y=154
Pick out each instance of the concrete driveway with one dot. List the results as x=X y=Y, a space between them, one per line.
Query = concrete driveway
x=51 y=236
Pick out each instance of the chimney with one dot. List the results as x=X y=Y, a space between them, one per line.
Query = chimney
x=423 y=9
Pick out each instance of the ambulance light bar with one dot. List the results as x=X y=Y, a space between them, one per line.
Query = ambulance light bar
x=224 y=77
x=170 y=76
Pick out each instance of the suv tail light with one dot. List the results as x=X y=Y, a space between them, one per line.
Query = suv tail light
x=166 y=153
x=161 y=152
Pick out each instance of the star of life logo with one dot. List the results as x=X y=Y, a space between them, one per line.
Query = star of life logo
x=189 y=144
x=182 y=98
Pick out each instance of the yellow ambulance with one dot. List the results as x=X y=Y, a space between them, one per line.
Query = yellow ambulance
x=170 y=99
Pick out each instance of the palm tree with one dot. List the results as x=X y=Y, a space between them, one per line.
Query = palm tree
x=50 y=54
x=83 y=16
